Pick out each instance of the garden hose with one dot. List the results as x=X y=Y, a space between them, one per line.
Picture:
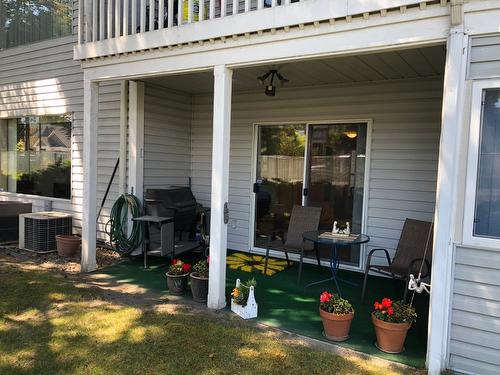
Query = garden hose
x=116 y=227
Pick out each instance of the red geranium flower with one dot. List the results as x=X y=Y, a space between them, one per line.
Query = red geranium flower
x=377 y=305
x=390 y=311
x=386 y=303
x=174 y=262
x=325 y=297
x=186 y=267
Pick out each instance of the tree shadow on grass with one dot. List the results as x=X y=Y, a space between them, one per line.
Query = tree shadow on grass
x=49 y=326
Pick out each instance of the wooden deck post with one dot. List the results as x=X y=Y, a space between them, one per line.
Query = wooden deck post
x=452 y=128
x=220 y=183
x=90 y=109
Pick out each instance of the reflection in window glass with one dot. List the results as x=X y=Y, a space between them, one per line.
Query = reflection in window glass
x=35 y=156
x=23 y=22
x=487 y=213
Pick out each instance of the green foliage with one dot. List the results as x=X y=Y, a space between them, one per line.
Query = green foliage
x=336 y=305
x=240 y=294
x=53 y=181
x=201 y=268
x=395 y=311
x=289 y=141
x=32 y=20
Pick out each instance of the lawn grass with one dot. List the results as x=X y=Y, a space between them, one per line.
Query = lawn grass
x=53 y=325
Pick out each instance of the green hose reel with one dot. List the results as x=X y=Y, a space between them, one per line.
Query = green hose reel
x=116 y=227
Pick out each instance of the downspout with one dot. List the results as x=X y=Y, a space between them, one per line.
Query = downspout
x=122 y=172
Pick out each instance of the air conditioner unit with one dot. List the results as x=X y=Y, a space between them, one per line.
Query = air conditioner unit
x=38 y=231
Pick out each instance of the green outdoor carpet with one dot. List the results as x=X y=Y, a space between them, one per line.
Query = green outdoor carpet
x=284 y=305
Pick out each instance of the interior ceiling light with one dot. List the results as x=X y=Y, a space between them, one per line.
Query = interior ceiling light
x=270 y=87
x=351 y=134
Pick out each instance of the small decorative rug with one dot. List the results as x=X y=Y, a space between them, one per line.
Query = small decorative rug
x=251 y=263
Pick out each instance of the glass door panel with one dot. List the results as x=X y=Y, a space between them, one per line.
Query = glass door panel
x=279 y=179
x=335 y=178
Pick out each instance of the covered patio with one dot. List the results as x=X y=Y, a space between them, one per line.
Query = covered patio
x=356 y=135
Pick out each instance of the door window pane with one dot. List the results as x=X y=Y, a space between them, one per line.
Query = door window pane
x=336 y=179
x=35 y=156
x=487 y=210
x=280 y=171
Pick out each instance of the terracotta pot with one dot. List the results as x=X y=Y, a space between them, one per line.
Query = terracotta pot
x=390 y=336
x=336 y=327
x=199 y=287
x=68 y=245
x=177 y=284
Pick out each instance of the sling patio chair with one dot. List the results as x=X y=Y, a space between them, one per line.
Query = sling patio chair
x=410 y=255
x=303 y=219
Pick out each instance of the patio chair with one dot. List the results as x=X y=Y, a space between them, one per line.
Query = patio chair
x=303 y=219
x=409 y=254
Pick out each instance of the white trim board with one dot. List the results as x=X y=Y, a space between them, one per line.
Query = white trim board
x=469 y=239
x=366 y=187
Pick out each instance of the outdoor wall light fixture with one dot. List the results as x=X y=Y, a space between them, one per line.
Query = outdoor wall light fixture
x=271 y=88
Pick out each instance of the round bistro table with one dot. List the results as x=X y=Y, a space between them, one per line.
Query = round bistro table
x=334 y=243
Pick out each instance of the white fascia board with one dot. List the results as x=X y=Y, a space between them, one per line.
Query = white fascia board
x=361 y=37
x=238 y=24
x=482 y=18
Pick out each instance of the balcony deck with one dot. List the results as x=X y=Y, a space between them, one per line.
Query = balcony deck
x=114 y=27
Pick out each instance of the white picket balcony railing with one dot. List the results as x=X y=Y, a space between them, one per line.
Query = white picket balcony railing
x=109 y=27
x=108 y=19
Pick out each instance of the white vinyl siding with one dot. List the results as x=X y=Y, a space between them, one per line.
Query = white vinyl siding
x=405 y=142
x=475 y=317
x=167 y=143
x=42 y=78
x=484 y=57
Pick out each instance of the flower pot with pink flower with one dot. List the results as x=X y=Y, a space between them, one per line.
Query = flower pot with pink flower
x=392 y=320
x=337 y=315
x=177 y=276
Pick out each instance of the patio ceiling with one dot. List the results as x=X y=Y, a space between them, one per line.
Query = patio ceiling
x=402 y=64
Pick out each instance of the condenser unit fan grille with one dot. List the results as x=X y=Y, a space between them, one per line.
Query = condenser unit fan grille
x=40 y=233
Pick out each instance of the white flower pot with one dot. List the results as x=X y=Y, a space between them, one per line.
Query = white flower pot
x=250 y=310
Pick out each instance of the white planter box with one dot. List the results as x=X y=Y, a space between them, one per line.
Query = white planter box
x=250 y=310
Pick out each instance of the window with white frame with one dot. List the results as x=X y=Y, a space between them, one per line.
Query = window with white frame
x=482 y=207
x=35 y=155
x=487 y=205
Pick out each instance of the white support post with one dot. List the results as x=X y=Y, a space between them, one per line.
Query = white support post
x=136 y=139
x=90 y=110
x=122 y=167
x=452 y=128
x=220 y=183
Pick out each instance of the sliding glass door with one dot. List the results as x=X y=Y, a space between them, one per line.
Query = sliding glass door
x=319 y=165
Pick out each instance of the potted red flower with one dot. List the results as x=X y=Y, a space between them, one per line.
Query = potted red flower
x=177 y=276
x=392 y=320
x=337 y=315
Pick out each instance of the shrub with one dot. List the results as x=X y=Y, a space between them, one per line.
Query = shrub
x=201 y=268
x=394 y=311
x=178 y=267
x=334 y=304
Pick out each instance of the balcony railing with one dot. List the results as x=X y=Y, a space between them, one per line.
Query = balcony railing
x=109 y=27
x=108 y=19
